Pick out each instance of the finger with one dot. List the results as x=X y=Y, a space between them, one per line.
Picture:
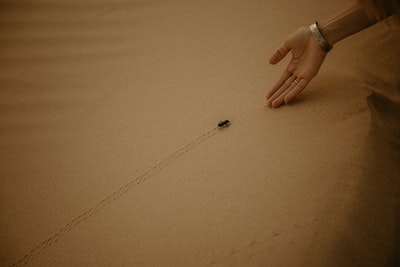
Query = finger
x=279 y=54
x=279 y=100
x=283 y=87
x=280 y=91
x=300 y=86
x=286 y=74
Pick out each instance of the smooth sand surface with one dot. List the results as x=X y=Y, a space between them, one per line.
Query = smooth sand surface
x=95 y=93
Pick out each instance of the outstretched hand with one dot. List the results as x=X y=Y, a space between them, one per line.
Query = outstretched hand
x=307 y=58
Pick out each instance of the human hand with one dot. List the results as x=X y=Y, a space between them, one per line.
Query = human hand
x=307 y=58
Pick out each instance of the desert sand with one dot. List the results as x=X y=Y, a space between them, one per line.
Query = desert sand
x=95 y=96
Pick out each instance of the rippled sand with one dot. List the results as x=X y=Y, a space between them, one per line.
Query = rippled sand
x=109 y=155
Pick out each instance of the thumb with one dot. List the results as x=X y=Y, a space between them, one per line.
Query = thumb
x=279 y=54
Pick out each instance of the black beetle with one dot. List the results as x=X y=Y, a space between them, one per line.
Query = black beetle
x=224 y=123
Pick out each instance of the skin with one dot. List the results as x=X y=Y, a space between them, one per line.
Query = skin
x=308 y=56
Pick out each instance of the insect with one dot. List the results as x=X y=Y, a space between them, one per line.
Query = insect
x=223 y=124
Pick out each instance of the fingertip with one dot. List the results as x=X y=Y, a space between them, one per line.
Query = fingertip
x=268 y=103
x=271 y=92
x=279 y=54
x=276 y=57
x=287 y=99
x=276 y=103
x=273 y=60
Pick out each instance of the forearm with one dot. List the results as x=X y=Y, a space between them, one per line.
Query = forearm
x=350 y=20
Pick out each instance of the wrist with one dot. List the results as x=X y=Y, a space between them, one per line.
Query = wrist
x=320 y=38
x=350 y=20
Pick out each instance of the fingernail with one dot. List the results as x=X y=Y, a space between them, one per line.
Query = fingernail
x=287 y=100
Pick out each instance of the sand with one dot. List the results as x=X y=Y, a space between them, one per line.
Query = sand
x=95 y=93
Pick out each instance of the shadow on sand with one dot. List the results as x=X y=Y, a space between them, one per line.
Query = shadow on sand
x=372 y=235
